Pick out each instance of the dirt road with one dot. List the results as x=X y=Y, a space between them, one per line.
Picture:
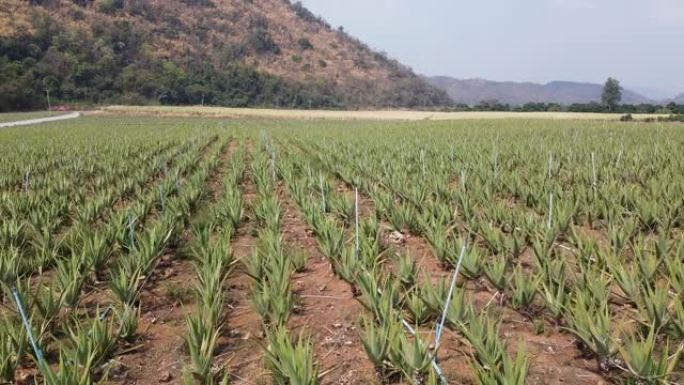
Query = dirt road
x=72 y=115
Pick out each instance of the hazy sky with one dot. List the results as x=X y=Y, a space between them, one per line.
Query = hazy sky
x=640 y=42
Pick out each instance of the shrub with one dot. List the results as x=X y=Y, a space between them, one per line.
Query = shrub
x=110 y=6
x=303 y=13
x=261 y=40
x=304 y=43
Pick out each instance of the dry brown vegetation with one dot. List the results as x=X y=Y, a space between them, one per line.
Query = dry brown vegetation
x=267 y=35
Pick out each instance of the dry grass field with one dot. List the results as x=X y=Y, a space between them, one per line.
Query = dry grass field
x=406 y=115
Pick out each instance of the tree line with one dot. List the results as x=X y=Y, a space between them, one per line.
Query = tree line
x=610 y=103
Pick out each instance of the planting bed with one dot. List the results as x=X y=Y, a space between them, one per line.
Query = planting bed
x=198 y=251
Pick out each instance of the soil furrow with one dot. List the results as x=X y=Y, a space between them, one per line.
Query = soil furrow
x=165 y=301
x=328 y=310
x=241 y=349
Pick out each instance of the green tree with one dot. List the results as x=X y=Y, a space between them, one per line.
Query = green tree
x=612 y=94
x=672 y=106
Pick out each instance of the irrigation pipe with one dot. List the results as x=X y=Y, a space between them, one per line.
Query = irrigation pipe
x=440 y=326
x=27 y=325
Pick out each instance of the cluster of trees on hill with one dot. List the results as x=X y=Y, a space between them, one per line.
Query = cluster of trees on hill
x=114 y=68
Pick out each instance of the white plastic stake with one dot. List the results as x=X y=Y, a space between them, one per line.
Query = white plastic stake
x=27 y=181
x=496 y=165
x=619 y=157
x=131 y=231
x=273 y=166
x=548 y=224
x=356 y=215
x=440 y=326
x=593 y=168
x=320 y=180
x=435 y=366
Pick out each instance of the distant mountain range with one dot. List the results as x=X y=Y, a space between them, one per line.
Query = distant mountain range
x=679 y=99
x=473 y=91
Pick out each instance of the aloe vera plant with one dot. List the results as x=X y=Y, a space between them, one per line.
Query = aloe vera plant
x=299 y=260
x=647 y=262
x=556 y=297
x=331 y=238
x=471 y=266
x=591 y=323
x=273 y=303
x=377 y=340
x=71 y=277
x=509 y=372
x=626 y=276
x=290 y=362
x=483 y=334
x=496 y=271
x=655 y=304
x=523 y=288
x=379 y=297
x=91 y=344
x=435 y=296
x=201 y=342
x=418 y=310
x=675 y=274
x=47 y=301
x=13 y=346
x=127 y=317
x=407 y=270
x=69 y=374
x=647 y=360
x=412 y=356
x=124 y=282
x=347 y=265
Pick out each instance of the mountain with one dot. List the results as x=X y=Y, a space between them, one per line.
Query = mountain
x=222 y=52
x=473 y=91
x=654 y=93
x=679 y=99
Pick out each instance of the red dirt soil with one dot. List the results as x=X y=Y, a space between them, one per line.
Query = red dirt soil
x=328 y=311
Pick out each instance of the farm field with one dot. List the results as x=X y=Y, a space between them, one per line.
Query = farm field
x=147 y=250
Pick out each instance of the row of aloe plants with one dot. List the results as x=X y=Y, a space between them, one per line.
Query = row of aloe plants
x=392 y=298
x=214 y=261
x=505 y=232
x=54 y=308
x=289 y=358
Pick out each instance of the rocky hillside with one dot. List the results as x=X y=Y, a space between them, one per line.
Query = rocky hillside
x=221 y=52
x=474 y=91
